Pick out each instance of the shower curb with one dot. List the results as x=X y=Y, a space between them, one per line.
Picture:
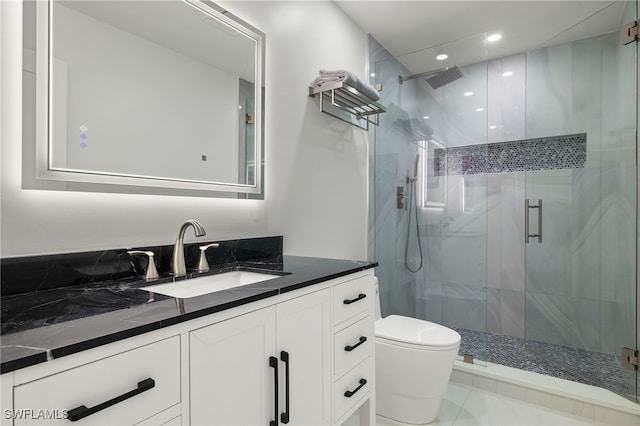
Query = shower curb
x=596 y=404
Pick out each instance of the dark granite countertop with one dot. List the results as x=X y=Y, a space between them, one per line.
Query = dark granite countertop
x=48 y=324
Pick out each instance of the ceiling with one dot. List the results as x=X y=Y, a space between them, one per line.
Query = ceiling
x=413 y=30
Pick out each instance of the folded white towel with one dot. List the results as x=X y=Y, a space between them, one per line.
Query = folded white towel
x=346 y=77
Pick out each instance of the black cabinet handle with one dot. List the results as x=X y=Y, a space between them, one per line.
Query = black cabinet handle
x=82 y=411
x=361 y=341
x=349 y=394
x=284 y=357
x=273 y=362
x=350 y=301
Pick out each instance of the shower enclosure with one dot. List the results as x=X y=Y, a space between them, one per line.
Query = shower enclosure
x=526 y=187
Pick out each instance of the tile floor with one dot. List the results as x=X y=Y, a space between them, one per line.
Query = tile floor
x=464 y=405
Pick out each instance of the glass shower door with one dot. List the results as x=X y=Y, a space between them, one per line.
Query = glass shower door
x=580 y=209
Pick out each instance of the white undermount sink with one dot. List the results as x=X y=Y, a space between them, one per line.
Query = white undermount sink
x=209 y=284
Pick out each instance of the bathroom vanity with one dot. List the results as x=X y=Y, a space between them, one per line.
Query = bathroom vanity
x=296 y=349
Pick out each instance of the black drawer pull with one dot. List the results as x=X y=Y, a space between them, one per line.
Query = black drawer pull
x=273 y=363
x=350 y=301
x=82 y=411
x=361 y=341
x=349 y=394
x=284 y=357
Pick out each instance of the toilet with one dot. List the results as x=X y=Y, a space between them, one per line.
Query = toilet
x=414 y=359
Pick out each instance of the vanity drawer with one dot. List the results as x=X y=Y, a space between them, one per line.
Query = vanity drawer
x=131 y=386
x=352 y=298
x=353 y=345
x=352 y=388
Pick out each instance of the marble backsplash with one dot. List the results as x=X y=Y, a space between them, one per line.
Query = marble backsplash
x=37 y=273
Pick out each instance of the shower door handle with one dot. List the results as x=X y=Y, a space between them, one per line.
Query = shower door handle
x=527 y=207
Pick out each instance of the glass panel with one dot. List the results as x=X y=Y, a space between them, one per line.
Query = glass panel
x=581 y=278
x=394 y=154
x=437 y=132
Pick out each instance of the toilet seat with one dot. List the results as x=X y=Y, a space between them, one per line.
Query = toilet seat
x=416 y=334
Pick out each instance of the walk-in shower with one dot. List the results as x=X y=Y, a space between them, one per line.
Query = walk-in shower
x=555 y=126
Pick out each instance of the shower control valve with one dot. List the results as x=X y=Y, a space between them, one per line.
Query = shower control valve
x=401 y=197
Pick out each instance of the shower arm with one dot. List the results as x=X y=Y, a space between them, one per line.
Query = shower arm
x=422 y=74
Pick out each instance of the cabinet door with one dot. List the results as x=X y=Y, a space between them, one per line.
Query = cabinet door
x=304 y=333
x=231 y=380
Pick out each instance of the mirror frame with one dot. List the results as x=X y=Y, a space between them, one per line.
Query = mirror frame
x=82 y=180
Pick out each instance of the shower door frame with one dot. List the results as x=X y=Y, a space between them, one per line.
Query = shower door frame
x=637 y=207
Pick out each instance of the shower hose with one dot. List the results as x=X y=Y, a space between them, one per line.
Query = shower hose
x=412 y=200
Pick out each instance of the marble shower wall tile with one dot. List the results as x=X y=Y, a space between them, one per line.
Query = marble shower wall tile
x=512 y=312
x=549 y=318
x=506 y=253
x=493 y=311
x=464 y=307
x=429 y=302
x=507 y=95
x=494 y=230
x=512 y=254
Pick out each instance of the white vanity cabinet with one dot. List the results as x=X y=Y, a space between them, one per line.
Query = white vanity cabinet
x=265 y=367
x=304 y=357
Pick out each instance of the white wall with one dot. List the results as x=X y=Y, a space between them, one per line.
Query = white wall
x=316 y=177
x=316 y=166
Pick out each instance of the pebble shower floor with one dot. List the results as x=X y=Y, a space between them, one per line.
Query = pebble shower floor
x=592 y=368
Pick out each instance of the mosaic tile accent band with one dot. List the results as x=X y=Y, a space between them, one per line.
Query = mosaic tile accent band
x=550 y=153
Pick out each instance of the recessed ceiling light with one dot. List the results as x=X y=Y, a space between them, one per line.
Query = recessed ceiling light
x=442 y=57
x=373 y=74
x=507 y=73
x=493 y=127
x=468 y=93
x=494 y=37
x=479 y=109
x=426 y=117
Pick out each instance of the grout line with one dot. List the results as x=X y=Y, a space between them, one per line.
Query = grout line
x=466 y=398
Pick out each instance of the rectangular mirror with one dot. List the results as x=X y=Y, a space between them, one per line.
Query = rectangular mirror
x=157 y=94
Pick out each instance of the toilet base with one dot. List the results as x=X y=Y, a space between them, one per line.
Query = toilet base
x=411 y=383
x=409 y=410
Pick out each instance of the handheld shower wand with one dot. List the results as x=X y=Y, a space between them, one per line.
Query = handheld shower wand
x=415 y=169
x=412 y=198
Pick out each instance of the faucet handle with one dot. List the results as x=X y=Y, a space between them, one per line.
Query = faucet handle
x=203 y=265
x=152 y=272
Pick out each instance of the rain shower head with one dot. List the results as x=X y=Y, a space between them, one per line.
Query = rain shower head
x=445 y=77
x=437 y=78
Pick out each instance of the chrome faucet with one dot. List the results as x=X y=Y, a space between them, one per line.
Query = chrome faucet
x=177 y=264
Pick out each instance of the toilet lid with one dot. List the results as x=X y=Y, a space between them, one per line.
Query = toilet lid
x=416 y=332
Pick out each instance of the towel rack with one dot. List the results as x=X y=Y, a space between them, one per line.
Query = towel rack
x=346 y=98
